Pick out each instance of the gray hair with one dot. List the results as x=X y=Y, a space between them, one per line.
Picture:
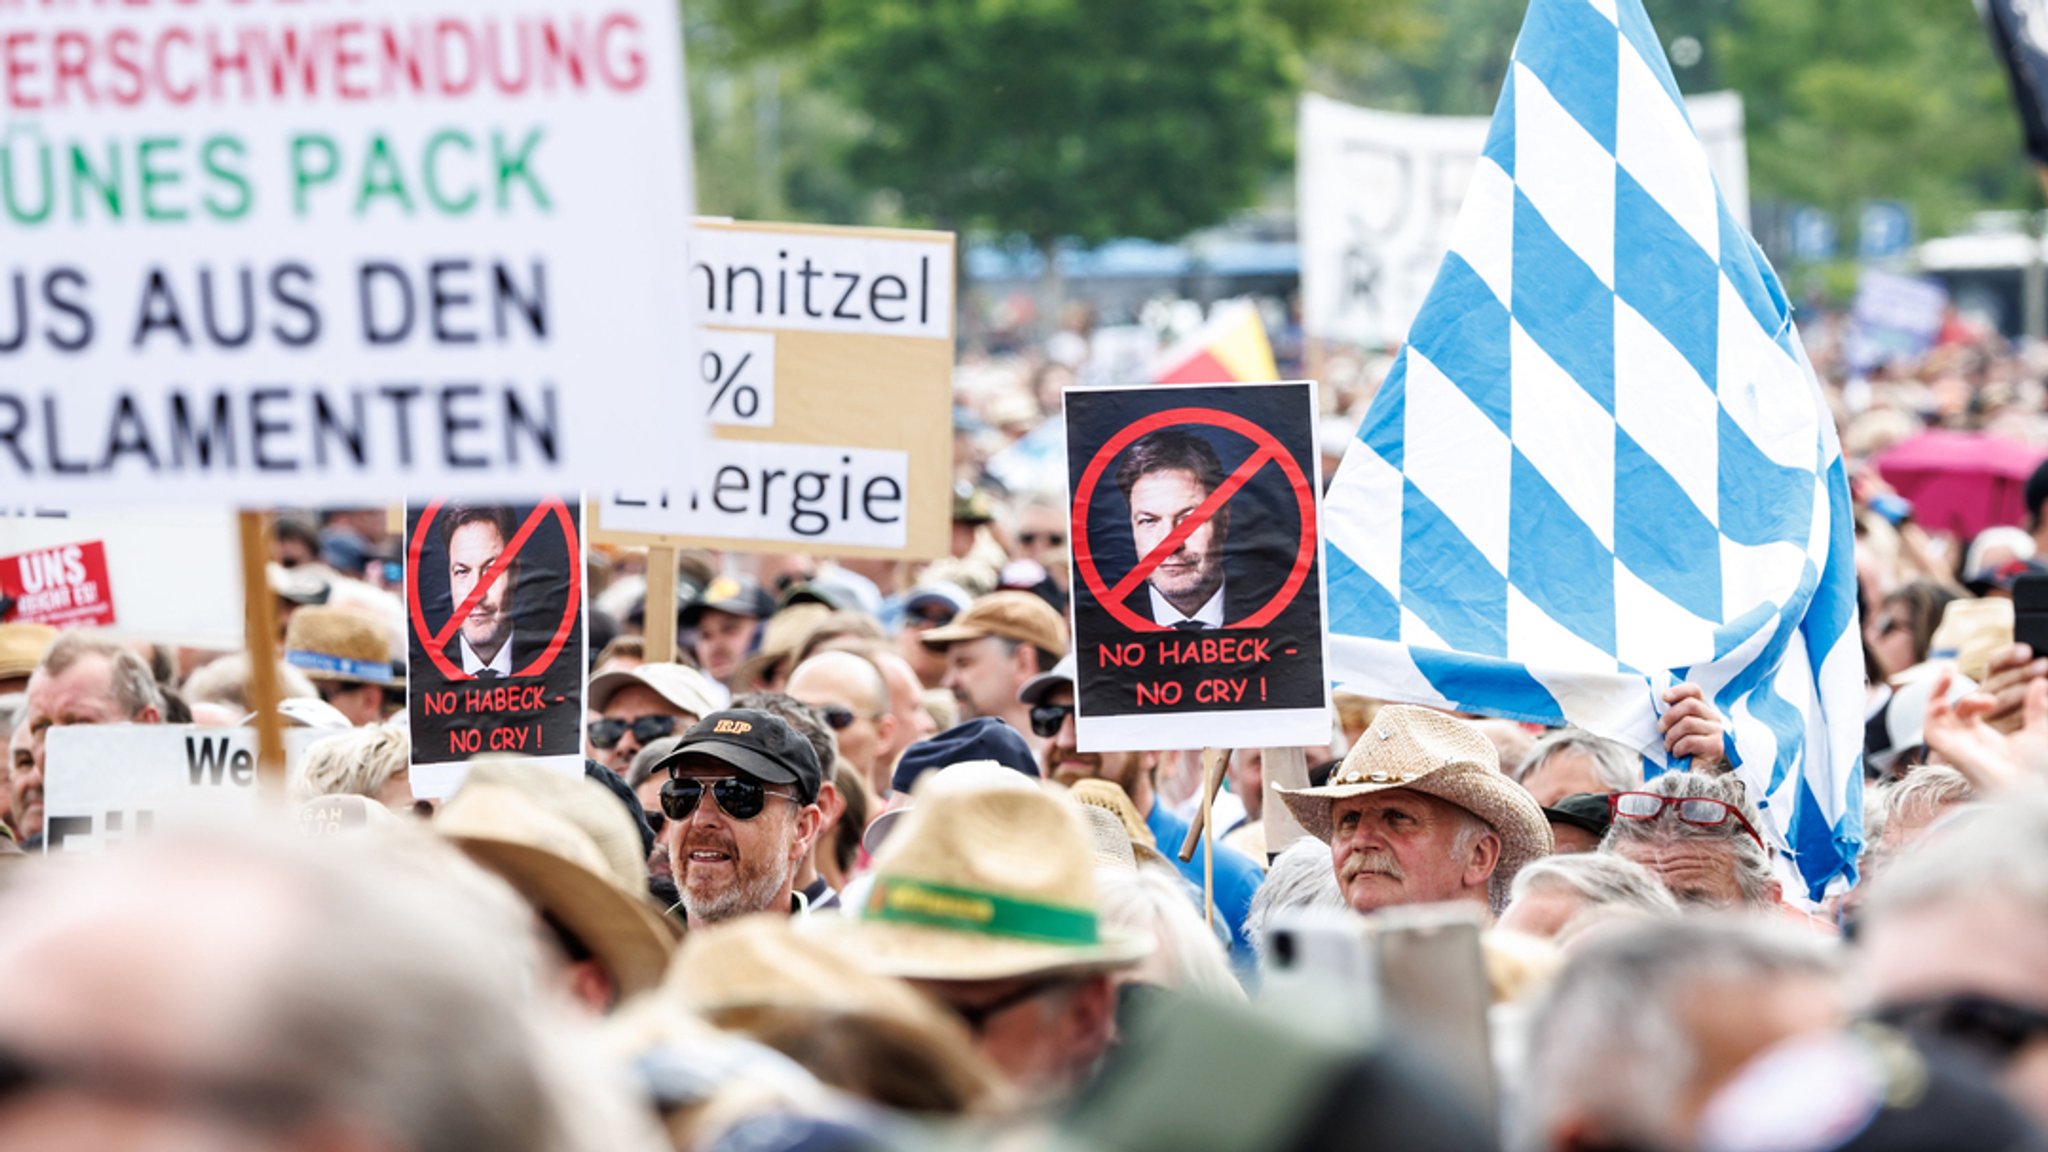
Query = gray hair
x=1999 y=849
x=1601 y=881
x=226 y=682
x=1925 y=789
x=1750 y=859
x=1615 y=765
x=1157 y=903
x=1609 y=1042
x=133 y=684
x=1300 y=877
x=357 y=762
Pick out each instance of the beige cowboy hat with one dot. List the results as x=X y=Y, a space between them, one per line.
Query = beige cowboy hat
x=1438 y=755
x=986 y=884
x=22 y=646
x=569 y=848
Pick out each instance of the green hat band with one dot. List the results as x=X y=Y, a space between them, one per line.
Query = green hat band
x=901 y=901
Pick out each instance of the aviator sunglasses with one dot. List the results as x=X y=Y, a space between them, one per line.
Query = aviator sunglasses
x=738 y=797
x=645 y=729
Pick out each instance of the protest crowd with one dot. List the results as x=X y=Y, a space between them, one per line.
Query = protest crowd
x=846 y=853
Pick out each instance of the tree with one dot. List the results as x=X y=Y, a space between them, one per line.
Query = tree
x=1063 y=119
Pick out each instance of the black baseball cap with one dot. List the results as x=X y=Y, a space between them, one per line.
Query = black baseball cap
x=758 y=743
x=1587 y=811
x=736 y=595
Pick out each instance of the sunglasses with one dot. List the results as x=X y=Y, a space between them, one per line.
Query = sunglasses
x=645 y=729
x=837 y=718
x=1987 y=1025
x=1042 y=539
x=738 y=796
x=1696 y=810
x=977 y=1016
x=1046 y=719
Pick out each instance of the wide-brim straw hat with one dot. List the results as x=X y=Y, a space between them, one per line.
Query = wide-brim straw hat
x=1436 y=754
x=988 y=884
x=560 y=869
x=22 y=646
x=338 y=645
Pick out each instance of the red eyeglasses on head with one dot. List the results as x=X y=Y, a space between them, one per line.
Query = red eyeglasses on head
x=1697 y=810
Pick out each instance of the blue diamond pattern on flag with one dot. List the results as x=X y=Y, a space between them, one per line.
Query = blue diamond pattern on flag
x=1601 y=464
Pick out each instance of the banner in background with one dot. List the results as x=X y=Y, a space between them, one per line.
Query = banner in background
x=175 y=573
x=1379 y=192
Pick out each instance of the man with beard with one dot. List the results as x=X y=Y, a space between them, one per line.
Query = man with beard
x=742 y=807
x=475 y=538
x=1050 y=697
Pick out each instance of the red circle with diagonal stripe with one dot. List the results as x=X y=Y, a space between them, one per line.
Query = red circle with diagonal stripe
x=434 y=641
x=1265 y=449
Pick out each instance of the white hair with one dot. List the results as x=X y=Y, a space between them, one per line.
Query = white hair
x=1609 y=1041
x=1750 y=860
x=1999 y=850
x=357 y=762
x=225 y=681
x=1616 y=766
x=1600 y=880
x=1157 y=903
x=1302 y=876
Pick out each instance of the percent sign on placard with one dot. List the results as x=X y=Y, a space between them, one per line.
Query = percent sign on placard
x=737 y=370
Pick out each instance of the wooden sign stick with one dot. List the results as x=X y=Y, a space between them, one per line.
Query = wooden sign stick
x=260 y=638
x=1212 y=780
x=658 y=618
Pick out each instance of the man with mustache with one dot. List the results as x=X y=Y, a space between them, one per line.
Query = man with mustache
x=1420 y=813
x=1050 y=697
x=742 y=807
x=1165 y=477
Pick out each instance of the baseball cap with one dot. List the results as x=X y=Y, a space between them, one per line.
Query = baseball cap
x=1010 y=615
x=679 y=684
x=982 y=738
x=737 y=595
x=1037 y=688
x=944 y=592
x=755 y=742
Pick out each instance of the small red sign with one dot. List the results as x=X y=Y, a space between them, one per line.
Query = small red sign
x=64 y=587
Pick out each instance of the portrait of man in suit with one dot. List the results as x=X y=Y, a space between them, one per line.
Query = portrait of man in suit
x=1165 y=476
x=474 y=538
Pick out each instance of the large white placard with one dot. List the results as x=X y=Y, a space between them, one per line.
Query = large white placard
x=1379 y=191
x=108 y=782
x=271 y=253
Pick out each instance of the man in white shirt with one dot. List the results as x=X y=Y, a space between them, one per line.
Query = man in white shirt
x=475 y=538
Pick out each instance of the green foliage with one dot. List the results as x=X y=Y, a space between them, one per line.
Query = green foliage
x=1063 y=118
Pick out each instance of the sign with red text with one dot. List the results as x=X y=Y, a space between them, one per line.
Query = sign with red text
x=64 y=587
x=110 y=783
x=173 y=572
x=825 y=362
x=495 y=599
x=267 y=253
x=1197 y=578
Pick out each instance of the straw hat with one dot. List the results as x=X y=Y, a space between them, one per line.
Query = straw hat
x=988 y=884
x=1971 y=633
x=569 y=848
x=1110 y=798
x=1438 y=755
x=22 y=647
x=764 y=961
x=338 y=646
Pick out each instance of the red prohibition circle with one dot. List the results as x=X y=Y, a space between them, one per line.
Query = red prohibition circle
x=1084 y=493
x=433 y=645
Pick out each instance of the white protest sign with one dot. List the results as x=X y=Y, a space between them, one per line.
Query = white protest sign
x=272 y=253
x=174 y=573
x=1379 y=191
x=105 y=783
x=826 y=365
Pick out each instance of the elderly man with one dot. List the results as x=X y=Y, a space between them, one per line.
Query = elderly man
x=346 y=655
x=639 y=705
x=1419 y=813
x=1571 y=762
x=1051 y=701
x=1647 y=1021
x=851 y=693
x=993 y=649
x=1699 y=835
x=1952 y=939
x=742 y=807
x=986 y=901
x=84 y=678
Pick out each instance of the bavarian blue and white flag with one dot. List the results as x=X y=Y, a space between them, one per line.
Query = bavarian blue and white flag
x=1602 y=464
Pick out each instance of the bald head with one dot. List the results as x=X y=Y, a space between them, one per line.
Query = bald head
x=852 y=693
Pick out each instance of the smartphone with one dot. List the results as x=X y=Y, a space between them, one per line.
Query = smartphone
x=2030 y=611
